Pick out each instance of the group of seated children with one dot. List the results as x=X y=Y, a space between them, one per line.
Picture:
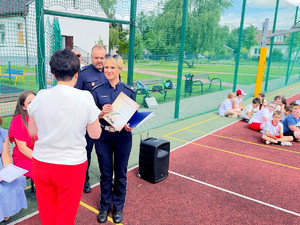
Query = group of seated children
x=265 y=117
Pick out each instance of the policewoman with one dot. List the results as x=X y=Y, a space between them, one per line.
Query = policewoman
x=88 y=78
x=113 y=148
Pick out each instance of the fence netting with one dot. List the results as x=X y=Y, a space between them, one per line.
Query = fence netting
x=211 y=52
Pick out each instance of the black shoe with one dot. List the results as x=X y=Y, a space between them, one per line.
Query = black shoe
x=86 y=187
x=118 y=216
x=102 y=216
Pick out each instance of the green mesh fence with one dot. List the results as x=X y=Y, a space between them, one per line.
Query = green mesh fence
x=18 y=58
x=211 y=47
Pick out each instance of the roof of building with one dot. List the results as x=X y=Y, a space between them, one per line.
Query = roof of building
x=14 y=7
x=258 y=37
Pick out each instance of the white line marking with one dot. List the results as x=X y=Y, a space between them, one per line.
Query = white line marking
x=24 y=218
x=234 y=193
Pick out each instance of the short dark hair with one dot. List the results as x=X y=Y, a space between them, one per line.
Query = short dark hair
x=289 y=108
x=277 y=97
x=64 y=64
x=256 y=101
x=1 y=121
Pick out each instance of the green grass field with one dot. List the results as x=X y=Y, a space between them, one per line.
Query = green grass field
x=168 y=71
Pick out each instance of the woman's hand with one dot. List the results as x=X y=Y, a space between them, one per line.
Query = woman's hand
x=128 y=128
x=107 y=108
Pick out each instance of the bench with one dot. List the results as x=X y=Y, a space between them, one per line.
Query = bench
x=157 y=85
x=12 y=74
x=200 y=80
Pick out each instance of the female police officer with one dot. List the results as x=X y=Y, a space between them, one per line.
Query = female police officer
x=114 y=147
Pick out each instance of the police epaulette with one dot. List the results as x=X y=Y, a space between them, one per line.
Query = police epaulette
x=95 y=87
x=129 y=87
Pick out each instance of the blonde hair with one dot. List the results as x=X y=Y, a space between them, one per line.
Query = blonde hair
x=231 y=95
x=116 y=59
x=277 y=113
x=297 y=107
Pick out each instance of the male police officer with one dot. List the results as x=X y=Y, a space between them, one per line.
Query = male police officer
x=89 y=77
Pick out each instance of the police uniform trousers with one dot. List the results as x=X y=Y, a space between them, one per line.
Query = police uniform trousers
x=113 y=150
x=89 y=148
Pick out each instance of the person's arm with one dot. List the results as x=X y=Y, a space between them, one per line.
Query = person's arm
x=249 y=113
x=5 y=154
x=269 y=135
x=23 y=148
x=32 y=129
x=94 y=129
x=294 y=128
x=234 y=104
x=266 y=118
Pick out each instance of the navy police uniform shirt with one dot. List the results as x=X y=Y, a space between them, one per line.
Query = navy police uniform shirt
x=106 y=94
x=90 y=77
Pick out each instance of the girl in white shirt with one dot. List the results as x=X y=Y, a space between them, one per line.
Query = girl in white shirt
x=225 y=108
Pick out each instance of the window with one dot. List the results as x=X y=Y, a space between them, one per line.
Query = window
x=2 y=34
x=279 y=38
x=20 y=34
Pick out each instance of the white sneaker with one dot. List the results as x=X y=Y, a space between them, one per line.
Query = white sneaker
x=286 y=143
x=233 y=116
x=268 y=142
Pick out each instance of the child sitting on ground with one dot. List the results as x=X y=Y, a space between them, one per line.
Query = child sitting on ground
x=287 y=111
x=225 y=108
x=250 y=109
x=279 y=100
x=237 y=102
x=273 y=131
x=258 y=120
x=263 y=101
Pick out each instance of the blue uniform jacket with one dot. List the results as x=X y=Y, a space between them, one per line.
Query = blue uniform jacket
x=89 y=77
x=106 y=94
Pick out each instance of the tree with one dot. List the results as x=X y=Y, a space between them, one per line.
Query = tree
x=108 y=7
x=117 y=34
x=249 y=37
x=160 y=30
x=296 y=42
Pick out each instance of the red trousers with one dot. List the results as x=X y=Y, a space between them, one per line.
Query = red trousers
x=58 y=191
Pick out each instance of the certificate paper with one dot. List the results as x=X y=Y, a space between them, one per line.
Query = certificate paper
x=123 y=109
x=11 y=172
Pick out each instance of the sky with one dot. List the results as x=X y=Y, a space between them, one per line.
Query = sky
x=257 y=11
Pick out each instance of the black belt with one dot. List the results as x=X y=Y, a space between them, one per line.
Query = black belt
x=110 y=129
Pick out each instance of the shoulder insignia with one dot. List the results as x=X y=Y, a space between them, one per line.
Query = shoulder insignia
x=129 y=87
x=85 y=67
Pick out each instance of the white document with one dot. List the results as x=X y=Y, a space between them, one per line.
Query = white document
x=11 y=172
x=123 y=109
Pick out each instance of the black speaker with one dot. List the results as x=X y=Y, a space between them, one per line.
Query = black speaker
x=154 y=159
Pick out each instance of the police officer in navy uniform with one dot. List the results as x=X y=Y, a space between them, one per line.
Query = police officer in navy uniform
x=89 y=77
x=113 y=148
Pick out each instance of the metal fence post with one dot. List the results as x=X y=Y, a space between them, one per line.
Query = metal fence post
x=271 y=47
x=131 y=42
x=287 y=76
x=181 y=55
x=40 y=33
x=238 y=51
